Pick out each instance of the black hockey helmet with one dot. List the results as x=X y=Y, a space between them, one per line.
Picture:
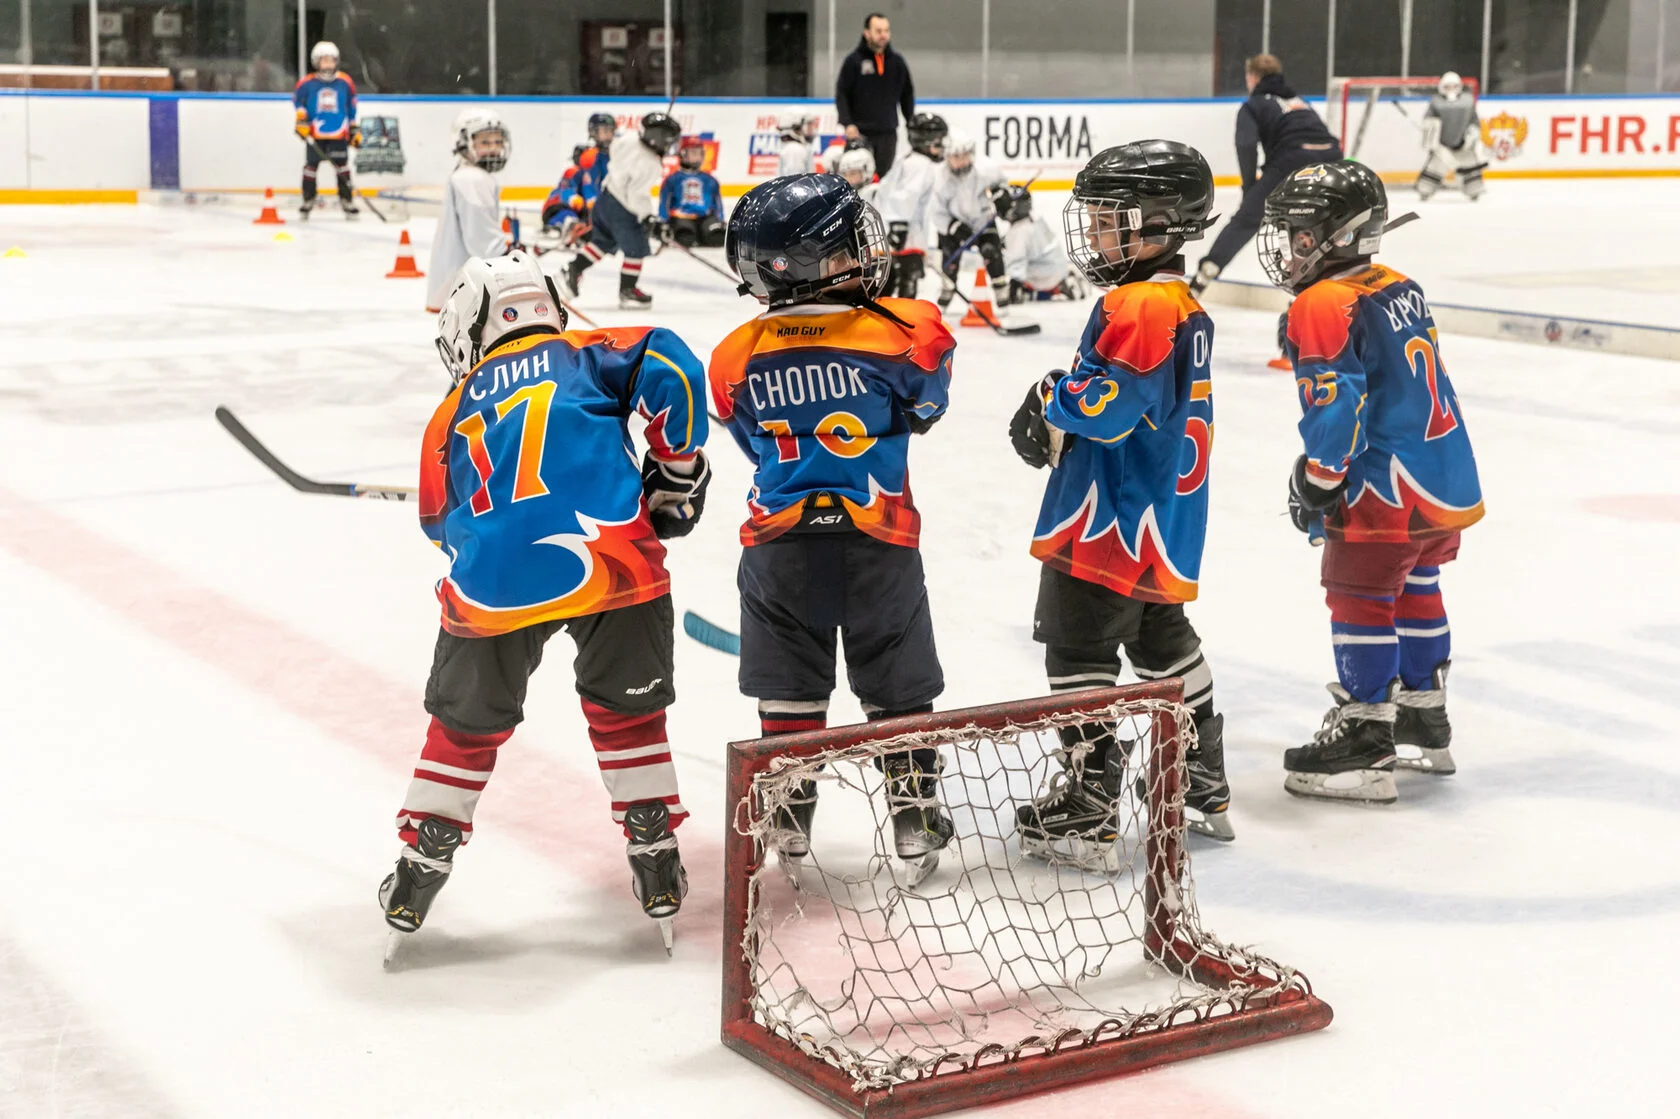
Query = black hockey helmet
x=598 y=121
x=795 y=237
x=1012 y=203
x=578 y=150
x=927 y=134
x=1156 y=192
x=660 y=131
x=1322 y=216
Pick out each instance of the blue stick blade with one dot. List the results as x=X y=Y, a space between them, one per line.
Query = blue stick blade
x=708 y=634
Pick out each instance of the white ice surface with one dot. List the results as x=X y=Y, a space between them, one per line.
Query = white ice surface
x=212 y=703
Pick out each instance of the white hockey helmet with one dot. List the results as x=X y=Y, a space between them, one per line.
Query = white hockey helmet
x=856 y=161
x=959 y=145
x=795 y=120
x=471 y=123
x=324 y=49
x=1450 y=85
x=490 y=300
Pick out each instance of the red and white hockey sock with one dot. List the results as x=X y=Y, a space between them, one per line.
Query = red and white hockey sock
x=785 y=716
x=590 y=251
x=630 y=275
x=635 y=760
x=453 y=770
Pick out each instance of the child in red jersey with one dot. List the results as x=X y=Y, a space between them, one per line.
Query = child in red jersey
x=1388 y=473
x=823 y=393
x=529 y=484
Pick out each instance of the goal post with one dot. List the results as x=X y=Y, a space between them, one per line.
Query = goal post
x=1378 y=120
x=1000 y=974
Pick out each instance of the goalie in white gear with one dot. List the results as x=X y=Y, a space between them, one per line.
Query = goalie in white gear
x=964 y=218
x=904 y=197
x=857 y=167
x=1034 y=254
x=471 y=223
x=1451 y=140
x=797 y=128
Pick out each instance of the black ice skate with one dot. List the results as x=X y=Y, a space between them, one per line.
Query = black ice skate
x=1422 y=734
x=656 y=871
x=921 y=826
x=1208 y=795
x=303 y=210
x=633 y=298
x=575 y=269
x=350 y=209
x=793 y=821
x=1077 y=818
x=407 y=892
x=1352 y=755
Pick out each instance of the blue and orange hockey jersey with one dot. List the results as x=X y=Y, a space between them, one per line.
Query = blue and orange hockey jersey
x=690 y=194
x=329 y=106
x=1379 y=411
x=575 y=191
x=817 y=396
x=530 y=484
x=1127 y=505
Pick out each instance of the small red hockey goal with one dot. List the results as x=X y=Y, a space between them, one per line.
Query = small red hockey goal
x=1001 y=973
x=1379 y=120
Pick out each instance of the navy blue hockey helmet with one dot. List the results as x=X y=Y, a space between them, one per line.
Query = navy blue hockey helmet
x=601 y=120
x=795 y=237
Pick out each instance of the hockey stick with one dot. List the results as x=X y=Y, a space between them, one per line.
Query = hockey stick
x=711 y=635
x=991 y=321
x=297 y=481
x=955 y=259
x=322 y=158
x=734 y=281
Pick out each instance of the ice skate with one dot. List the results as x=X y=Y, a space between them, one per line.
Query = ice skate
x=1351 y=757
x=1207 y=797
x=303 y=210
x=1422 y=734
x=407 y=893
x=1076 y=820
x=634 y=299
x=793 y=824
x=657 y=874
x=921 y=826
x=574 y=274
x=349 y=208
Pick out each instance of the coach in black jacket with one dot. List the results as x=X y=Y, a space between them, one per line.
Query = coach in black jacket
x=874 y=84
x=1275 y=119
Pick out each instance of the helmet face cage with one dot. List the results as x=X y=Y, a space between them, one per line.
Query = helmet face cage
x=864 y=258
x=1104 y=236
x=474 y=127
x=1296 y=245
x=687 y=146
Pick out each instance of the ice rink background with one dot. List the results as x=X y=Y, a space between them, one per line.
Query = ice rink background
x=213 y=683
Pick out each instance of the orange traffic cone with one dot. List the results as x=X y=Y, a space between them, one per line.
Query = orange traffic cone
x=980 y=311
x=404 y=268
x=269 y=215
x=1281 y=362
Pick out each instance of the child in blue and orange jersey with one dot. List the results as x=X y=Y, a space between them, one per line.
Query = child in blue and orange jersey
x=1127 y=433
x=566 y=209
x=326 y=122
x=690 y=199
x=823 y=392
x=529 y=485
x=1387 y=474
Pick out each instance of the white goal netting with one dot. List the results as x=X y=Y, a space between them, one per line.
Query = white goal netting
x=997 y=954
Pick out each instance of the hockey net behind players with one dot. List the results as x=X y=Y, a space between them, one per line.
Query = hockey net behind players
x=1379 y=121
x=1002 y=972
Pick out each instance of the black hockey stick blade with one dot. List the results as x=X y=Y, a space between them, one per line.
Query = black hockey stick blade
x=1006 y=331
x=292 y=478
x=711 y=635
x=368 y=198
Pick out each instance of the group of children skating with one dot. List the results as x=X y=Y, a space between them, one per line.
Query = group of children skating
x=551 y=525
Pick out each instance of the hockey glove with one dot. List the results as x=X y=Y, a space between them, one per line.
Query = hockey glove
x=355 y=136
x=675 y=492
x=655 y=229
x=958 y=231
x=1036 y=442
x=303 y=130
x=921 y=425
x=898 y=235
x=1308 y=501
x=1283 y=332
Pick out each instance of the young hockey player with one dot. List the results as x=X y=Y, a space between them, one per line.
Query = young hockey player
x=1451 y=139
x=529 y=485
x=622 y=219
x=690 y=201
x=565 y=211
x=857 y=167
x=963 y=215
x=471 y=224
x=905 y=198
x=798 y=128
x=823 y=392
x=326 y=122
x=1388 y=471
x=1126 y=433
x=1033 y=252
